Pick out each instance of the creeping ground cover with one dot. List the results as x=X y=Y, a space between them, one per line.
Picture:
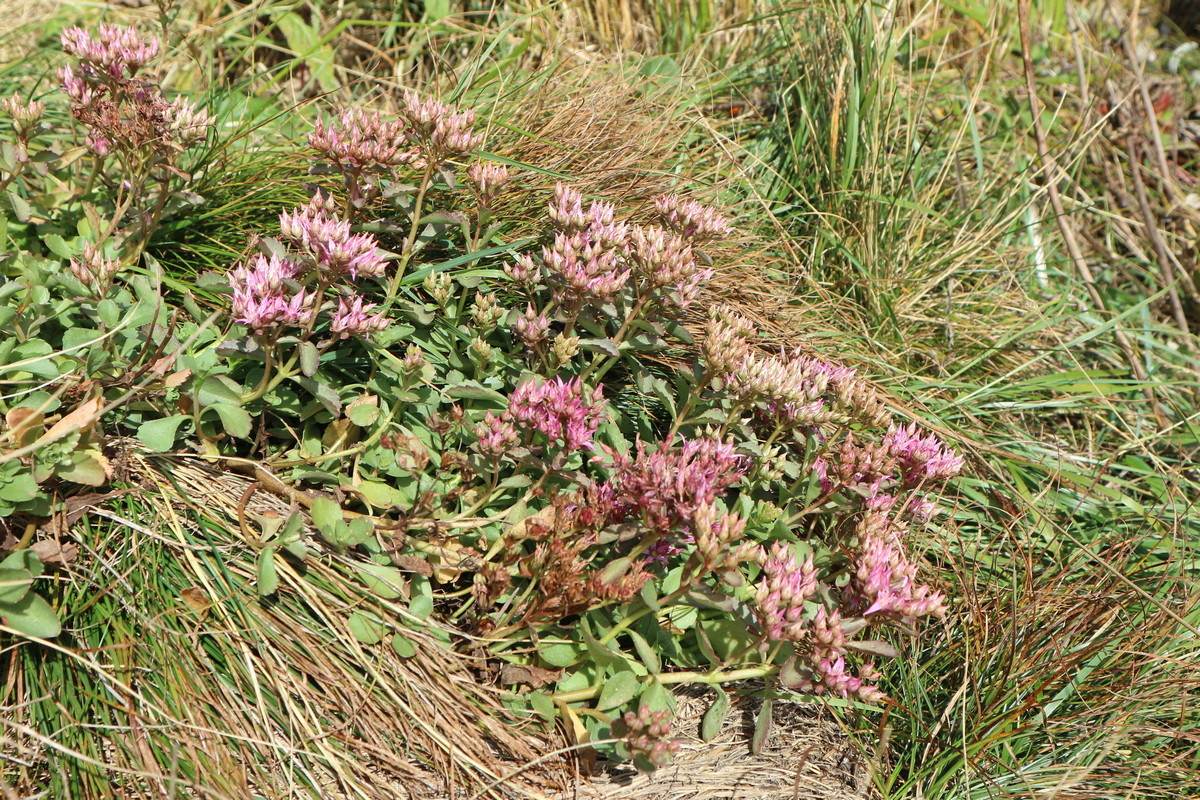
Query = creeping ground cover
x=458 y=405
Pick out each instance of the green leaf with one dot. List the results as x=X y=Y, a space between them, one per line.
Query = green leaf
x=473 y=390
x=19 y=488
x=235 y=420
x=542 y=705
x=365 y=629
x=563 y=654
x=363 y=414
x=763 y=725
x=380 y=495
x=24 y=559
x=268 y=578
x=617 y=691
x=324 y=393
x=310 y=359
x=385 y=582
x=714 y=718
x=421 y=606
x=14 y=585
x=326 y=515
x=20 y=207
x=159 y=434
x=602 y=655
x=645 y=652
x=657 y=697
x=606 y=346
x=649 y=595
x=86 y=468
x=31 y=616
x=216 y=390
x=874 y=647
x=58 y=245
x=403 y=646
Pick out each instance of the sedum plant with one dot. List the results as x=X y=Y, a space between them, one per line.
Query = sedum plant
x=471 y=415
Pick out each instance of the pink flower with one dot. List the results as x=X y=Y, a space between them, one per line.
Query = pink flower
x=922 y=459
x=360 y=140
x=665 y=260
x=667 y=487
x=831 y=676
x=496 y=436
x=566 y=209
x=523 y=270
x=785 y=586
x=562 y=411
x=885 y=582
x=691 y=219
x=489 y=180
x=441 y=130
x=115 y=49
x=353 y=319
x=330 y=242
x=263 y=299
x=585 y=269
x=532 y=327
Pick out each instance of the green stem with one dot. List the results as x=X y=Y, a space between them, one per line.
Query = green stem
x=411 y=240
x=667 y=679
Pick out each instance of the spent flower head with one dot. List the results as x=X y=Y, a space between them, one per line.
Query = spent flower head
x=645 y=736
x=94 y=270
x=668 y=486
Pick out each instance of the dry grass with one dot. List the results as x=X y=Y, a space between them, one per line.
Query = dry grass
x=259 y=696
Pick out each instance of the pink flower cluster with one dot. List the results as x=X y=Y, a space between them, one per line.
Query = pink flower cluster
x=488 y=180
x=562 y=411
x=587 y=255
x=427 y=132
x=265 y=295
x=267 y=292
x=361 y=140
x=115 y=50
x=667 y=487
x=831 y=675
x=329 y=242
x=665 y=260
x=791 y=390
x=23 y=114
x=354 y=318
x=691 y=219
x=122 y=112
x=782 y=591
x=594 y=257
x=885 y=580
x=645 y=734
x=441 y=130
x=922 y=460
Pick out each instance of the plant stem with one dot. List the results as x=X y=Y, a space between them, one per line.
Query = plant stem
x=667 y=679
